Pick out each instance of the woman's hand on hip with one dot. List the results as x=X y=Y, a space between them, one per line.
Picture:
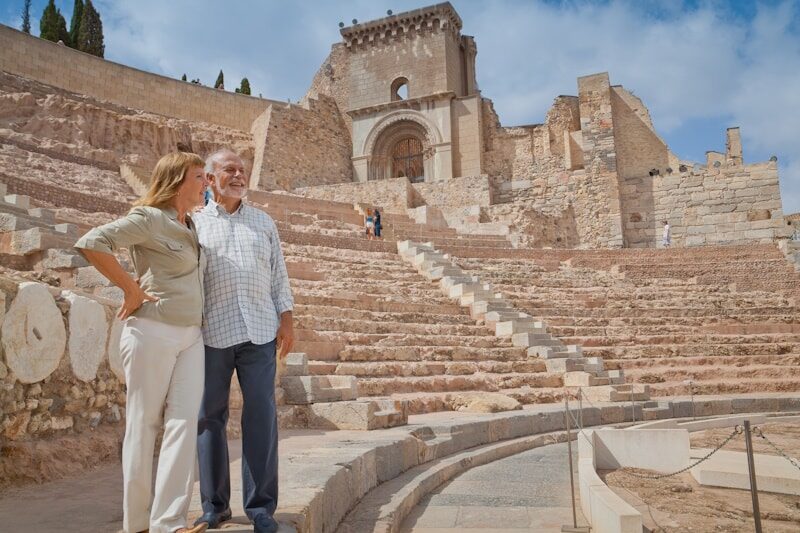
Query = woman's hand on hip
x=134 y=298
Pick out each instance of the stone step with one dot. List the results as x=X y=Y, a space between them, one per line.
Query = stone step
x=388 y=368
x=622 y=353
x=382 y=340
x=617 y=393
x=584 y=379
x=430 y=353
x=508 y=328
x=555 y=350
x=314 y=389
x=362 y=414
x=384 y=326
x=446 y=383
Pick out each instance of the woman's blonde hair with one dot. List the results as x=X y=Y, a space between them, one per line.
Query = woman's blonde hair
x=167 y=178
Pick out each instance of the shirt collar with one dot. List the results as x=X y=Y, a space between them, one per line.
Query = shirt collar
x=214 y=209
x=171 y=212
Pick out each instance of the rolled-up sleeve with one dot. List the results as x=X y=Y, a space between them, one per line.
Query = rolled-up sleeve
x=134 y=228
x=281 y=291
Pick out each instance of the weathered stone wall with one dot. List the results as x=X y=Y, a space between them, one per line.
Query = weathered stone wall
x=467 y=131
x=60 y=373
x=421 y=46
x=82 y=73
x=300 y=146
x=731 y=204
x=597 y=199
x=638 y=147
x=333 y=79
x=85 y=130
x=394 y=195
x=60 y=197
x=456 y=192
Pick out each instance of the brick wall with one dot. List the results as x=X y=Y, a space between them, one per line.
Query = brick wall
x=82 y=73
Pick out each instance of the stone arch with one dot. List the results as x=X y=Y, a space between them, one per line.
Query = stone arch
x=432 y=134
x=402 y=146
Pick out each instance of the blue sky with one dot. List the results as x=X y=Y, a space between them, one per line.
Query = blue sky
x=699 y=66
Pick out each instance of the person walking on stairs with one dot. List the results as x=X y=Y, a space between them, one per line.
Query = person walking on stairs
x=161 y=344
x=248 y=318
x=377 y=222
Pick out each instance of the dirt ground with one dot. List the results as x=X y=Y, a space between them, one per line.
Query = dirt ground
x=679 y=503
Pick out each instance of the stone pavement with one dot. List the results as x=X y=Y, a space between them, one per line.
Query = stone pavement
x=528 y=492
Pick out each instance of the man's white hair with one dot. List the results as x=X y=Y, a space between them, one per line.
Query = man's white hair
x=213 y=159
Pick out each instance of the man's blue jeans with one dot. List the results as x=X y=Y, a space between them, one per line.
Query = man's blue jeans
x=255 y=368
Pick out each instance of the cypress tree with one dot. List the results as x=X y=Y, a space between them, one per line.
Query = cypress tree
x=48 y=24
x=245 y=88
x=90 y=34
x=183 y=78
x=61 y=24
x=75 y=23
x=26 y=17
x=220 y=83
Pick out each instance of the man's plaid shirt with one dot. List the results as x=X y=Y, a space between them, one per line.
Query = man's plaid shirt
x=246 y=284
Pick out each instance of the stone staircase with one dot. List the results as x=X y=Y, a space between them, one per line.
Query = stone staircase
x=725 y=318
x=704 y=333
x=320 y=402
x=500 y=316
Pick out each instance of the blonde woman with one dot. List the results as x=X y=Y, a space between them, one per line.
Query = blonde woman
x=161 y=345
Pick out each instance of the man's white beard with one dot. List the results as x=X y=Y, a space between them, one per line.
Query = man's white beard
x=231 y=192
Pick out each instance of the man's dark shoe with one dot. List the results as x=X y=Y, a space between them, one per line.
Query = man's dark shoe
x=265 y=524
x=214 y=519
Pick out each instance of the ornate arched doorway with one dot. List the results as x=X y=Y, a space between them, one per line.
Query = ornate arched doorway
x=401 y=150
x=407 y=159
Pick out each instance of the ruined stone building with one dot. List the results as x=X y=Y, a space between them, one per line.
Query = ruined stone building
x=518 y=265
x=395 y=117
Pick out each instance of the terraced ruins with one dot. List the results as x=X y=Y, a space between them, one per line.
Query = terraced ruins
x=518 y=267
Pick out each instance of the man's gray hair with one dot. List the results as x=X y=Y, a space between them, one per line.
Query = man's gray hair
x=213 y=158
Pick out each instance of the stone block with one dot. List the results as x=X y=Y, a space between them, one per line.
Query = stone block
x=45 y=215
x=357 y=415
x=33 y=333
x=296 y=364
x=12 y=222
x=729 y=469
x=62 y=259
x=314 y=389
x=88 y=331
x=18 y=200
x=523 y=325
x=89 y=278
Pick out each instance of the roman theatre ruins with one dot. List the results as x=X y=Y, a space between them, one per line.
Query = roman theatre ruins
x=520 y=266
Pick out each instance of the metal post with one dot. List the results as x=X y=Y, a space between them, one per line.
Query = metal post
x=751 y=467
x=574 y=527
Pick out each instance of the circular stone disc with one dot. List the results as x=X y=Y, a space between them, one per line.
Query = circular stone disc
x=88 y=331
x=33 y=333
x=114 y=357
